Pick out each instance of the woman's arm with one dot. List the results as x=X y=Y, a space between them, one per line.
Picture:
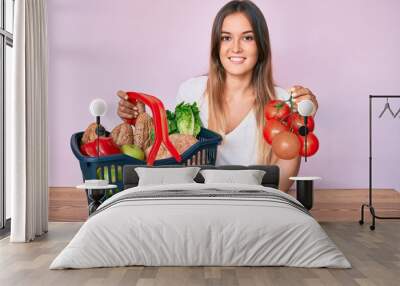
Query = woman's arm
x=287 y=169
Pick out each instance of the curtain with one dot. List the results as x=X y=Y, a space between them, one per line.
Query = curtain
x=27 y=123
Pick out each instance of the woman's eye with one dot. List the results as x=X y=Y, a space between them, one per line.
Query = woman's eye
x=248 y=38
x=225 y=38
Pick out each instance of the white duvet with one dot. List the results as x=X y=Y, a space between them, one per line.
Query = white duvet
x=200 y=231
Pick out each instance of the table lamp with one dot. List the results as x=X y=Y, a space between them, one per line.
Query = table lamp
x=305 y=109
x=98 y=108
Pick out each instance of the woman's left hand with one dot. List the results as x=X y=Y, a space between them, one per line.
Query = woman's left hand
x=300 y=93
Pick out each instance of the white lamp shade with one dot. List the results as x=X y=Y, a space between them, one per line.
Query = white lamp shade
x=98 y=107
x=305 y=107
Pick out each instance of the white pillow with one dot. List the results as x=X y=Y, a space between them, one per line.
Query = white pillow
x=164 y=176
x=248 y=177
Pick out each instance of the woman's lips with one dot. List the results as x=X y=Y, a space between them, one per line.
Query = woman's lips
x=237 y=60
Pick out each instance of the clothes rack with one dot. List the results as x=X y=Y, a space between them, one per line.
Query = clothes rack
x=370 y=205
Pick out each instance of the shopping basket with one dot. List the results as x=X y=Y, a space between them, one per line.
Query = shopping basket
x=204 y=152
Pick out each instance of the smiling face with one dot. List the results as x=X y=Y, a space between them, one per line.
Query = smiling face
x=238 y=49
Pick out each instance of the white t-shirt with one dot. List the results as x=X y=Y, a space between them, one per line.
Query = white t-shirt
x=239 y=147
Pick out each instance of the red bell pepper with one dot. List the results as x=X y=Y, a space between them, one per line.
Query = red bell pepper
x=106 y=146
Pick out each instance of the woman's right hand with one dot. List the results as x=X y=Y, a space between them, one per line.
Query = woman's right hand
x=126 y=109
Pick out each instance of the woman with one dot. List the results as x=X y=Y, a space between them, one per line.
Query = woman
x=239 y=84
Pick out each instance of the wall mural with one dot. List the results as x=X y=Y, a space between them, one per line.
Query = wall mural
x=335 y=60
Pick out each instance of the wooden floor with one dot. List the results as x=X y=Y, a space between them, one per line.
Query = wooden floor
x=70 y=204
x=374 y=255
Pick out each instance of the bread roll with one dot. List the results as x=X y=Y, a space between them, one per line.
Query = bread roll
x=122 y=134
x=143 y=126
x=90 y=133
x=182 y=142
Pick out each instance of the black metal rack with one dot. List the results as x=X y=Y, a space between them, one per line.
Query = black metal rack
x=369 y=205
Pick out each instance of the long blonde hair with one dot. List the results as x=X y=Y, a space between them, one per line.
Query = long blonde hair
x=262 y=80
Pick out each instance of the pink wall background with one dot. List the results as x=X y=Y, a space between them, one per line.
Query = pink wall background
x=341 y=50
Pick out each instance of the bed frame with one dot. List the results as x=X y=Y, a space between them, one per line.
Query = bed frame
x=270 y=179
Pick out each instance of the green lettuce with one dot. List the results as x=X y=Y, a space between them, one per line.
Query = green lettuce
x=185 y=120
x=197 y=121
x=172 y=128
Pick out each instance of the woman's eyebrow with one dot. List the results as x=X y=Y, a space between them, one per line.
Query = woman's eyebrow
x=245 y=32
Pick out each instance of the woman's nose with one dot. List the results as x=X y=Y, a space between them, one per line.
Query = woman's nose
x=236 y=46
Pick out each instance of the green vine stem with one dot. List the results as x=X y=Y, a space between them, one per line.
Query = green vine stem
x=290 y=100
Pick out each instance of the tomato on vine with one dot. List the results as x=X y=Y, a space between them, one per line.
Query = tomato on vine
x=272 y=128
x=312 y=145
x=276 y=109
x=296 y=121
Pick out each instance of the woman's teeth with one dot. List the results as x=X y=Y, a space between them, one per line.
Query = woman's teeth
x=237 y=60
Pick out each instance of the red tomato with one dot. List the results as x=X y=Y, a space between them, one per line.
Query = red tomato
x=312 y=145
x=272 y=128
x=276 y=109
x=296 y=121
x=286 y=145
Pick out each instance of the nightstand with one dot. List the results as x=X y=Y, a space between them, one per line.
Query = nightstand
x=304 y=190
x=96 y=195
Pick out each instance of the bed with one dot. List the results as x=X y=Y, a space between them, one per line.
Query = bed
x=201 y=224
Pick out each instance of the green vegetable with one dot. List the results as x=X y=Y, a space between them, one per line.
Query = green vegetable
x=187 y=118
x=197 y=121
x=172 y=128
x=152 y=136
